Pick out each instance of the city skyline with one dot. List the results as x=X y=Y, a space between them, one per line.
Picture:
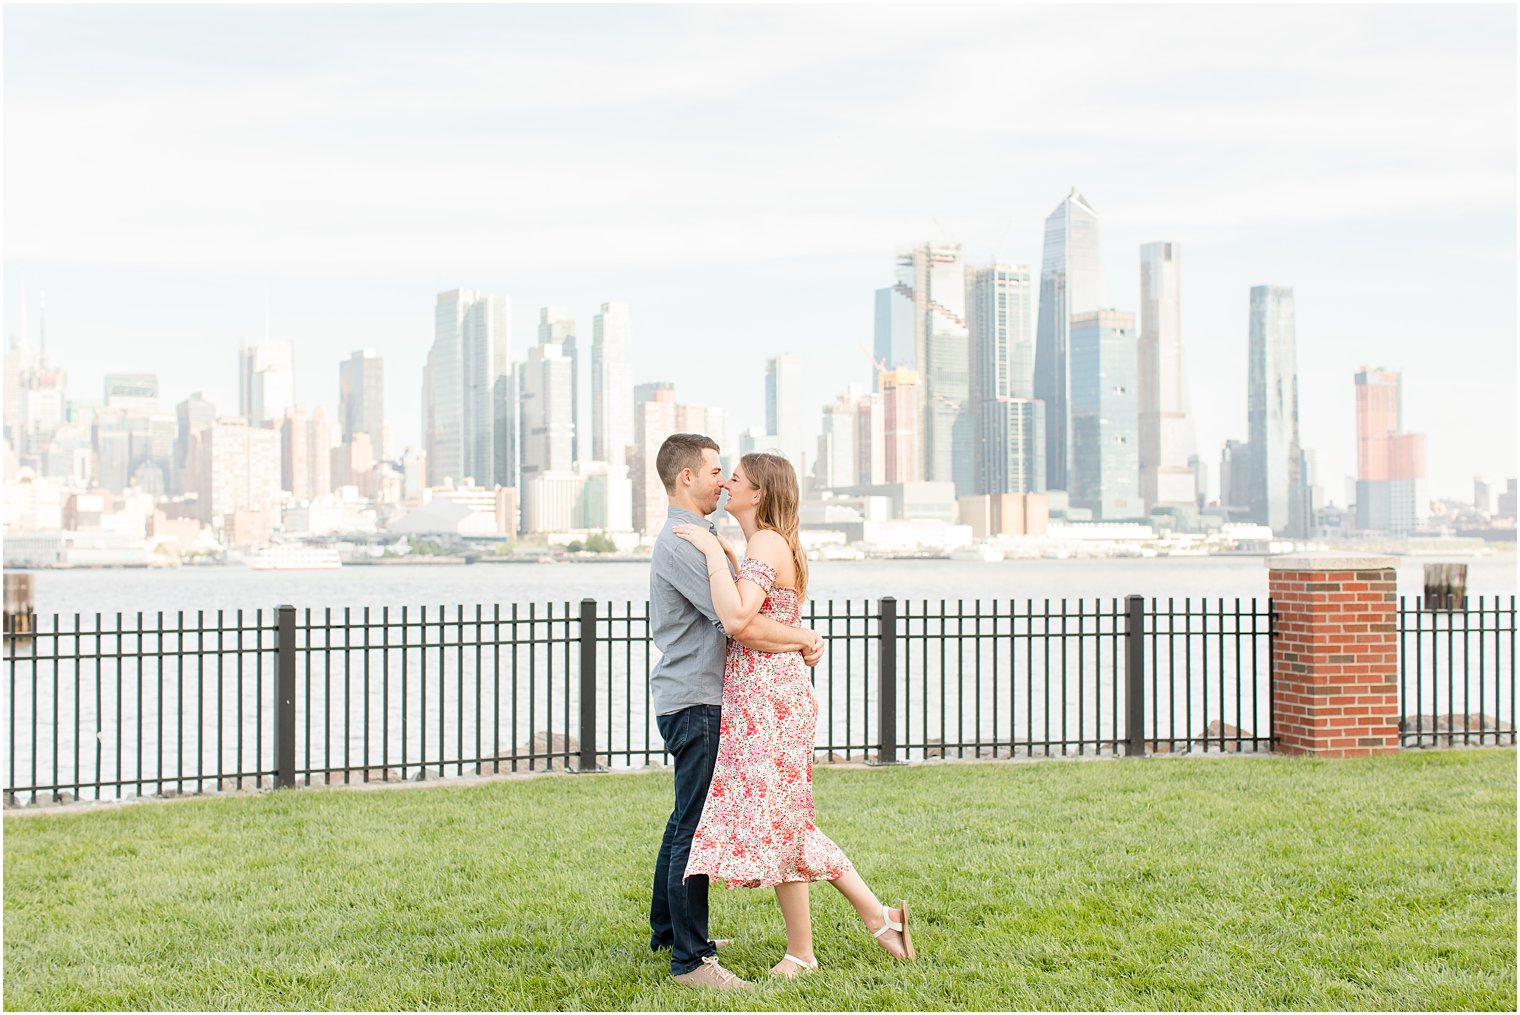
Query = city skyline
x=1406 y=153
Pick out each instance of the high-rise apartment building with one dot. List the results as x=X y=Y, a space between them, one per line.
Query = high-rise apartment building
x=361 y=399
x=783 y=410
x=467 y=391
x=656 y=418
x=192 y=414
x=901 y=458
x=1390 y=464
x=266 y=382
x=612 y=425
x=1105 y=415
x=1071 y=282
x=1276 y=459
x=547 y=403
x=1005 y=418
x=1166 y=433
x=238 y=468
x=307 y=441
x=925 y=312
x=838 y=458
x=556 y=326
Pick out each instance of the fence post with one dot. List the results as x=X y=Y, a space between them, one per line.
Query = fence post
x=1134 y=676
x=588 y=686
x=285 y=696
x=886 y=683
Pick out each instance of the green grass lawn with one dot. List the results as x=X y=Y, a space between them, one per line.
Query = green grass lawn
x=1252 y=883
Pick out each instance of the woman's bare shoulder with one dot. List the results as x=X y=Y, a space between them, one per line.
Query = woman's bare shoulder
x=768 y=545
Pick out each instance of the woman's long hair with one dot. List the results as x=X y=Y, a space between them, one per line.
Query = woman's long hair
x=777 y=510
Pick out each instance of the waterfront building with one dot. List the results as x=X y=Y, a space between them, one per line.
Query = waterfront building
x=1166 y=432
x=238 y=469
x=467 y=390
x=928 y=303
x=783 y=410
x=612 y=422
x=546 y=403
x=1007 y=421
x=1105 y=424
x=1276 y=483
x=266 y=381
x=1071 y=282
x=1390 y=464
x=656 y=418
x=557 y=327
x=361 y=399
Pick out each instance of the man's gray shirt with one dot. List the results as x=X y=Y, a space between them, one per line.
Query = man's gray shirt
x=682 y=622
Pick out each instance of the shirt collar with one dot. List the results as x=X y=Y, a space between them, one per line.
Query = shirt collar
x=685 y=515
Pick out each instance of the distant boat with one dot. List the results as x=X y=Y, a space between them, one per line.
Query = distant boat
x=294 y=558
x=989 y=554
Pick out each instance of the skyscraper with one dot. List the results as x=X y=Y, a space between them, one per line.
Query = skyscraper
x=546 y=400
x=783 y=410
x=1272 y=407
x=612 y=384
x=901 y=456
x=1006 y=420
x=928 y=303
x=361 y=399
x=1071 y=282
x=1166 y=433
x=557 y=327
x=1105 y=420
x=1390 y=464
x=266 y=382
x=466 y=390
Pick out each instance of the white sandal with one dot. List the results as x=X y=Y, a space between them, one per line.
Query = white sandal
x=902 y=928
x=802 y=967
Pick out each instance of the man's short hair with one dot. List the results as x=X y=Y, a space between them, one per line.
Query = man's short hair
x=681 y=451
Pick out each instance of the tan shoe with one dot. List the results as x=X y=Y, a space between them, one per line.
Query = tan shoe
x=721 y=943
x=710 y=974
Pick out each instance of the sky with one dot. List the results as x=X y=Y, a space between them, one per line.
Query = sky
x=743 y=177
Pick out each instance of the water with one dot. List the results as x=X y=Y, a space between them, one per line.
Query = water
x=232 y=587
x=480 y=691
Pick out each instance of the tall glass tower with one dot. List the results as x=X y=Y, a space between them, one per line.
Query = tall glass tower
x=1276 y=480
x=921 y=326
x=1166 y=433
x=1006 y=421
x=612 y=385
x=1105 y=422
x=1071 y=282
x=465 y=387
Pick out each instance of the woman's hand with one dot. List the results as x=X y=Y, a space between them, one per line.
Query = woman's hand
x=699 y=537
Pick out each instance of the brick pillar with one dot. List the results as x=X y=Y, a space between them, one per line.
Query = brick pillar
x=1335 y=655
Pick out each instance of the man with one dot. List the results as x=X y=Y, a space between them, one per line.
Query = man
x=687 y=690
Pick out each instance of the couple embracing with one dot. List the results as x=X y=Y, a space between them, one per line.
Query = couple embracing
x=736 y=708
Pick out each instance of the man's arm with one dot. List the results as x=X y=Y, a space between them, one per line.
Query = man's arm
x=684 y=566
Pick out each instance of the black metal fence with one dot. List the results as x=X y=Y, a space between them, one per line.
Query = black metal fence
x=195 y=702
x=1457 y=673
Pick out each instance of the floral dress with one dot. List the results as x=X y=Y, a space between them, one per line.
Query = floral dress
x=757 y=826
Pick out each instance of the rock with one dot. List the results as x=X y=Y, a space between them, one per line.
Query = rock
x=1216 y=729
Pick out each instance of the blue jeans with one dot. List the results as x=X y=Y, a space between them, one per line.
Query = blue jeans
x=678 y=907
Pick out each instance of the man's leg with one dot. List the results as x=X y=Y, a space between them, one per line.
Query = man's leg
x=661 y=934
x=695 y=750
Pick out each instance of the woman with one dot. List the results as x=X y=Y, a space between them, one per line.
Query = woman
x=757 y=826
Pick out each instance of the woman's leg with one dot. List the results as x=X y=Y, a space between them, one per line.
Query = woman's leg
x=868 y=906
x=792 y=896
